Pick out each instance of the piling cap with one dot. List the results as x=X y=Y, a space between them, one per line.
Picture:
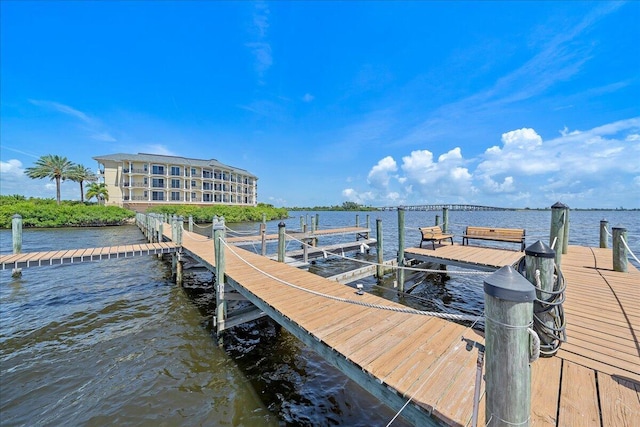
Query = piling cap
x=281 y=224
x=540 y=250
x=558 y=205
x=509 y=285
x=619 y=227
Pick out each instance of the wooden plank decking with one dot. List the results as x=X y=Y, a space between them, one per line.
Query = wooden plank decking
x=594 y=379
x=72 y=256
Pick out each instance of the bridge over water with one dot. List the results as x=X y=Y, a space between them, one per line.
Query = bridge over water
x=450 y=206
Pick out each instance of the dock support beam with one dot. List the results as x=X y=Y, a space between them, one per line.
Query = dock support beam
x=221 y=304
x=620 y=256
x=281 y=241
x=379 y=250
x=509 y=312
x=400 y=275
x=604 y=224
x=16 y=237
x=556 y=236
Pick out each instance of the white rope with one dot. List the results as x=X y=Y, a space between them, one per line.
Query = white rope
x=356 y=302
x=362 y=261
x=553 y=245
x=246 y=233
x=607 y=231
x=189 y=236
x=202 y=226
x=629 y=249
x=507 y=422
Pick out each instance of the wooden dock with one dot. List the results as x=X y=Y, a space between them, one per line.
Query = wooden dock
x=73 y=256
x=593 y=380
x=298 y=235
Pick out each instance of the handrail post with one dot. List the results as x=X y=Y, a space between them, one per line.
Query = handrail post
x=400 y=275
x=556 y=235
x=379 y=250
x=190 y=223
x=620 y=256
x=16 y=237
x=368 y=226
x=509 y=312
x=221 y=304
x=281 y=241
x=565 y=241
x=604 y=224
x=438 y=220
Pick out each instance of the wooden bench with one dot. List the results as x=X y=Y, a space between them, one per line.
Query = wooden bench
x=434 y=234
x=514 y=235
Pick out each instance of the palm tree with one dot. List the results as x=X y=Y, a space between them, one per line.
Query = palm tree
x=98 y=190
x=51 y=166
x=80 y=174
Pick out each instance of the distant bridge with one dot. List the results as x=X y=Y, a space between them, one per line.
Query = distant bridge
x=450 y=206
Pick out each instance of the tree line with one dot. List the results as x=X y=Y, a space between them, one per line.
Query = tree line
x=59 y=168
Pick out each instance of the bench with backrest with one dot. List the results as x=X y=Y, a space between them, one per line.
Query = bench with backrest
x=434 y=234
x=514 y=235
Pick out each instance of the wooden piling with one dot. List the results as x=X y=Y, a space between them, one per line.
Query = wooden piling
x=16 y=237
x=556 y=235
x=437 y=220
x=509 y=313
x=221 y=304
x=604 y=225
x=445 y=219
x=540 y=271
x=281 y=241
x=620 y=255
x=263 y=238
x=565 y=240
x=190 y=223
x=400 y=275
x=379 y=250
x=368 y=226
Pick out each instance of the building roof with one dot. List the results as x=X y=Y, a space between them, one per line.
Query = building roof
x=160 y=158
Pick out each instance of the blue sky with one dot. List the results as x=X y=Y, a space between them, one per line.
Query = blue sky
x=382 y=103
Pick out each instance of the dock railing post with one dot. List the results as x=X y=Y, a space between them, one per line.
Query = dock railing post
x=508 y=300
x=281 y=241
x=302 y=223
x=379 y=250
x=221 y=304
x=540 y=268
x=445 y=219
x=263 y=238
x=400 y=275
x=190 y=223
x=604 y=224
x=620 y=255
x=16 y=237
x=556 y=236
x=357 y=226
x=437 y=220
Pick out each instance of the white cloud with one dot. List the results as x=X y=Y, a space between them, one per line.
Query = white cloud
x=260 y=47
x=11 y=169
x=379 y=175
x=592 y=168
x=308 y=97
x=158 y=149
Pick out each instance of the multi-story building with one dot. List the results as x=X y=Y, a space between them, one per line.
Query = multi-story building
x=138 y=181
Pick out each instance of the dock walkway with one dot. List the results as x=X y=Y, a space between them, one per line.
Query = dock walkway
x=594 y=379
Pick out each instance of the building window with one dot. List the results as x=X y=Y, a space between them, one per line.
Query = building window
x=157 y=183
x=145 y=181
x=206 y=197
x=193 y=197
x=175 y=196
x=157 y=195
x=206 y=186
x=193 y=171
x=206 y=174
x=157 y=170
x=175 y=170
x=193 y=184
x=145 y=167
x=175 y=183
x=146 y=194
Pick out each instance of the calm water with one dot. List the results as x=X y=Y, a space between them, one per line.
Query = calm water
x=115 y=342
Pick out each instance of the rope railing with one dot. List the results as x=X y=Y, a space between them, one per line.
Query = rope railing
x=371 y=263
x=406 y=310
x=629 y=249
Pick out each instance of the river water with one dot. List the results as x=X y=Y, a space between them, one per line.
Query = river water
x=115 y=342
